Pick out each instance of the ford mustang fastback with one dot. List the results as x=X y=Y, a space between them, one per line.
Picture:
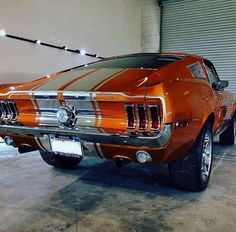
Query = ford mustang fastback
x=150 y=107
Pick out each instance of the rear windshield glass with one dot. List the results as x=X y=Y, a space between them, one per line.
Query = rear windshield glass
x=144 y=61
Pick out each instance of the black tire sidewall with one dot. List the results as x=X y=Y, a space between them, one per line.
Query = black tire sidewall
x=227 y=137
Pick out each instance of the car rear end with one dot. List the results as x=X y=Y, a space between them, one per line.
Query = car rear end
x=108 y=104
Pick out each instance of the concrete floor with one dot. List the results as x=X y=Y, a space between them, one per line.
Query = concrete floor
x=98 y=196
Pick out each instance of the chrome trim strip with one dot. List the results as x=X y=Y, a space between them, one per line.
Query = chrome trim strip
x=47 y=111
x=84 y=112
x=48 y=108
x=75 y=94
x=85 y=134
x=47 y=103
x=85 y=121
x=36 y=110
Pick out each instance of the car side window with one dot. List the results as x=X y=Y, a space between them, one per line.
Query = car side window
x=197 y=70
x=211 y=75
x=211 y=72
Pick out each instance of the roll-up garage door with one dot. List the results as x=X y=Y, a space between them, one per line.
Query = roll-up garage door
x=203 y=27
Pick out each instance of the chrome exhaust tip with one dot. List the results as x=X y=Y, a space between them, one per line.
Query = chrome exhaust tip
x=121 y=161
x=143 y=157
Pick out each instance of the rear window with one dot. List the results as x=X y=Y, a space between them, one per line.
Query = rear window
x=144 y=61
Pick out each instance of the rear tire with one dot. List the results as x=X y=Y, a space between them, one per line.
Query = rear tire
x=227 y=137
x=60 y=161
x=192 y=172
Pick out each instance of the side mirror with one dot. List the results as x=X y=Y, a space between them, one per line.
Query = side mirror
x=220 y=85
x=223 y=84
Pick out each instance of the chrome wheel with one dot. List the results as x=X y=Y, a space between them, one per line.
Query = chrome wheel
x=206 y=156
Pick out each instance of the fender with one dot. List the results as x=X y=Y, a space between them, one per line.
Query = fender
x=210 y=116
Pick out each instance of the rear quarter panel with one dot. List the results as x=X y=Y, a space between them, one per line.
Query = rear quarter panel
x=189 y=99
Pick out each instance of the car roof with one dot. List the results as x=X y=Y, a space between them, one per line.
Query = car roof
x=163 y=54
x=175 y=55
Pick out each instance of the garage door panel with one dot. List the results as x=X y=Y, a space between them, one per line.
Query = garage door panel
x=203 y=27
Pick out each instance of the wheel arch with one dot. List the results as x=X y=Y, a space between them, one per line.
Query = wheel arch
x=208 y=116
x=211 y=119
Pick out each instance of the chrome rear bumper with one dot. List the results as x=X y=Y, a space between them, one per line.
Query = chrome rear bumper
x=87 y=135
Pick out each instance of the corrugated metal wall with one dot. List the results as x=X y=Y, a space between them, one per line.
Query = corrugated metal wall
x=204 y=27
x=150 y=36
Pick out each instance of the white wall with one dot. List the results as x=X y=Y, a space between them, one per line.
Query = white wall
x=107 y=27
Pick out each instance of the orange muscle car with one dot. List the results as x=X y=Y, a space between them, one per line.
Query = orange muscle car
x=159 y=108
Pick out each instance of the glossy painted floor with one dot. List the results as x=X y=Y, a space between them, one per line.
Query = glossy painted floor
x=98 y=196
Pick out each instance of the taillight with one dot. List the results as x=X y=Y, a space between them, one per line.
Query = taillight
x=5 y=109
x=143 y=119
x=155 y=117
x=8 y=111
x=2 y=111
x=131 y=116
x=13 y=110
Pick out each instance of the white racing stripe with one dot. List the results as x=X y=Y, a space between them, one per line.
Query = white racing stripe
x=36 y=110
x=109 y=79
x=39 y=144
x=90 y=81
x=45 y=142
x=55 y=84
x=99 y=150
